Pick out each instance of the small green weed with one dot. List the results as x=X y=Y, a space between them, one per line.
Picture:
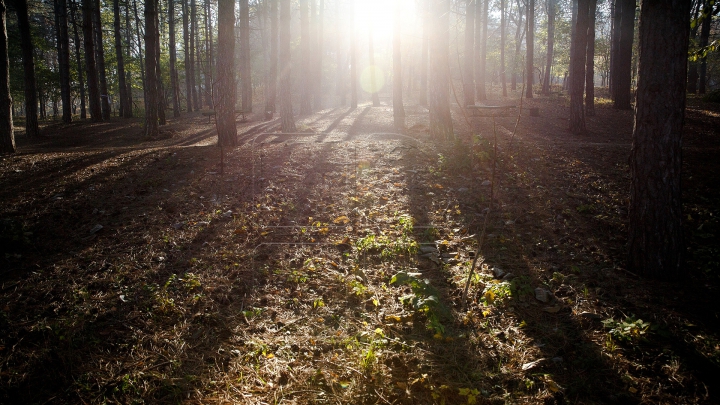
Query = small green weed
x=423 y=299
x=629 y=330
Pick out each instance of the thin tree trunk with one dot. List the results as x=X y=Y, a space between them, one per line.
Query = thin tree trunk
x=140 y=53
x=226 y=90
x=192 y=39
x=319 y=55
x=90 y=66
x=623 y=65
x=616 y=19
x=519 y=35
x=353 y=58
x=704 y=39
x=424 y=49
x=7 y=133
x=32 y=129
x=655 y=242
x=590 y=62
x=285 y=91
x=78 y=59
x=469 y=59
x=162 y=102
x=208 y=55
x=188 y=57
x=63 y=48
x=151 y=92
x=439 y=98
x=125 y=108
x=398 y=108
x=100 y=55
x=305 y=84
x=481 y=50
x=340 y=89
x=530 y=49
x=502 y=47
x=550 y=46
x=272 y=71
x=577 y=64
x=371 y=59
x=174 y=80
x=245 y=73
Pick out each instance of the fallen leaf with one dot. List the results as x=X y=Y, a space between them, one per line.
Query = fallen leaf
x=532 y=364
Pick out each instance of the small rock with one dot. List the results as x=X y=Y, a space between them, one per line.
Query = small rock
x=542 y=295
x=498 y=272
x=462 y=189
x=179 y=225
x=486 y=183
x=227 y=214
x=508 y=277
x=95 y=229
x=428 y=249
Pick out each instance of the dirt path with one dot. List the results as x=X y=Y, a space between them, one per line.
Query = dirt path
x=328 y=266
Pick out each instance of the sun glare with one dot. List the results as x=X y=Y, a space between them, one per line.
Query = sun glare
x=378 y=15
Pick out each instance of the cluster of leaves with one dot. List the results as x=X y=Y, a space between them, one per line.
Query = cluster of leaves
x=423 y=299
x=627 y=330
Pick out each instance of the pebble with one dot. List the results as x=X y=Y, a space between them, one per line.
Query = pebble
x=542 y=295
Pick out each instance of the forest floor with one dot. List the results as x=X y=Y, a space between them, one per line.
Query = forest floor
x=329 y=266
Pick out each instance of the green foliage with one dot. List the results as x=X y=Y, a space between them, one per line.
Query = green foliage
x=423 y=299
x=628 y=330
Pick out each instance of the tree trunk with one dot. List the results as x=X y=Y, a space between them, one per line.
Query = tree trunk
x=530 y=45
x=100 y=55
x=577 y=66
x=340 y=88
x=285 y=92
x=209 y=55
x=424 y=49
x=7 y=133
x=481 y=50
x=226 y=89
x=502 y=47
x=272 y=71
x=78 y=60
x=371 y=59
x=353 y=58
x=318 y=55
x=245 y=72
x=519 y=34
x=704 y=37
x=439 y=98
x=469 y=61
x=140 y=51
x=616 y=19
x=305 y=84
x=32 y=129
x=63 y=48
x=192 y=38
x=151 y=92
x=693 y=75
x=188 y=57
x=161 y=101
x=590 y=62
x=655 y=242
x=623 y=65
x=174 y=80
x=125 y=108
x=550 y=46
x=398 y=109
x=90 y=66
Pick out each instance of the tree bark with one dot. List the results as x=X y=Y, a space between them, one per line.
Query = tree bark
x=590 y=62
x=616 y=19
x=208 y=54
x=530 y=49
x=90 y=66
x=424 y=49
x=7 y=133
x=502 y=47
x=32 y=129
x=226 y=90
x=550 y=46
x=318 y=56
x=340 y=89
x=398 y=108
x=439 y=98
x=655 y=242
x=577 y=65
x=272 y=70
x=519 y=35
x=306 y=82
x=161 y=101
x=125 y=107
x=78 y=60
x=287 y=121
x=100 y=55
x=140 y=51
x=188 y=57
x=192 y=38
x=469 y=61
x=704 y=39
x=174 y=80
x=63 y=48
x=623 y=65
x=152 y=129
x=481 y=50
x=245 y=73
